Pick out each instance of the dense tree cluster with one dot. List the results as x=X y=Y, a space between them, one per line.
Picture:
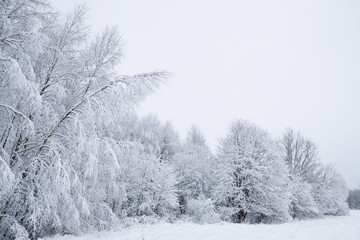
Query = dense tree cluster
x=74 y=156
x=354 y=199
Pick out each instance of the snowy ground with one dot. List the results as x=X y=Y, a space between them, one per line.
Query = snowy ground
x=336 y=228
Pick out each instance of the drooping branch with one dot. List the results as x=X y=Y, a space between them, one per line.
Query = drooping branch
x=151 y=80
x=18 y=113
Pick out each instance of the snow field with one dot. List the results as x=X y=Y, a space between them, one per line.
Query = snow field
x=328 y=228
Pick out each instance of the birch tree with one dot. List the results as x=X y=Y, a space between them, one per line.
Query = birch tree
x=60 y=98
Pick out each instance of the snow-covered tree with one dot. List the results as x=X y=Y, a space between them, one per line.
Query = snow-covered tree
x=74 y=156
x=302 y=156
x=60 y=100
x=156 y=137
x=317 y=189
x=194 y=166
x=303 y=162
x=253 y=181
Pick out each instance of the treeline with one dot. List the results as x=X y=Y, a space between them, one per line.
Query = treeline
x=75 y=157
x=354 y=199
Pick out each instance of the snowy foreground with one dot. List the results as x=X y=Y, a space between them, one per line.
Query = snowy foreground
x=336 y=228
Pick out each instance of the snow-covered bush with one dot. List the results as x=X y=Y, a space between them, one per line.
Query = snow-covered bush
x=202 y=211
x=330 y=193
x=149 y=186
x=302 y=205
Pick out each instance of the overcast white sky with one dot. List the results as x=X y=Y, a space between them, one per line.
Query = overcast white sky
x=278 y=64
